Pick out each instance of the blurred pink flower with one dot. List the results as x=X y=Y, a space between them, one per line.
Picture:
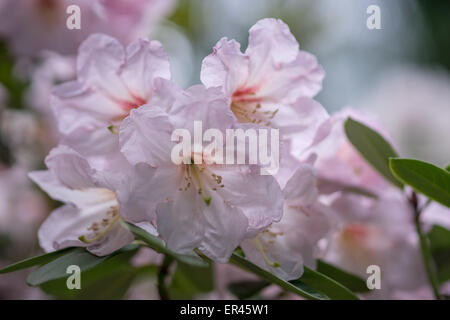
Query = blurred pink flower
x=35 y=25
x=339 y=162
x=367 y=231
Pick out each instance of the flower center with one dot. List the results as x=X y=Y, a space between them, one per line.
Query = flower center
x=247 y=108
x=200 y=176
x=100 y=228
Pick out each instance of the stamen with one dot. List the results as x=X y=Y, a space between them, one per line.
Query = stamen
x=201 y=190
x=108 y=224
x=263 y=253
x=113 y=129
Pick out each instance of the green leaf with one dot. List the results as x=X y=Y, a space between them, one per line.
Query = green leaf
x=439 y=238
x=424 y=177
x=326 y=285
x=189 y=281
x=373 y=147
x=34 y=261
x=303 y=291
x=109 y=280
x=447 y=168
x=351 y=281
x=158 y=245
x=56 y=269
x=247 y=289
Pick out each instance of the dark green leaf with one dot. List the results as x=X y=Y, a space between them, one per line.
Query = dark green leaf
x=326 y=285
x=242 y=263
x=439 y=238
x=108 y=280
x=57 y=268
x=373 y=147
x=424 y=177
x=351 y=281
x=189 y=281
x=159 y=246
x=34 y=261
x=247 y=289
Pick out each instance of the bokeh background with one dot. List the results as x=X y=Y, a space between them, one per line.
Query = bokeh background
x=399 y=73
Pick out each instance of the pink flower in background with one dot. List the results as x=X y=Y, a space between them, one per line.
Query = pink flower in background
x=31 y=26
x=366 y=231
x=209 y=206
x=284 y=247
x=111 y=81
x=382 y=233
x=271 y=83
x=21 y=206
x=95 y=203
x=340 y=164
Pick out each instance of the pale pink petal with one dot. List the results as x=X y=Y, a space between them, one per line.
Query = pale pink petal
x=259 y=197
x=99 y=63
x=145 y=61
x=270 y=45
x=299 y=78
x=225 y=226
x=180 y=222
x=74 y=100
x=208 y=105
x=71 y=169
x=226 y=66
x=145 y=136
x=302 y=189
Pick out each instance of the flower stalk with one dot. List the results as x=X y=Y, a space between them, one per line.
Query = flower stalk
x=430 y=267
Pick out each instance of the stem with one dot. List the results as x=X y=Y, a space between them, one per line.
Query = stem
x=162 y=274
x=425 y=248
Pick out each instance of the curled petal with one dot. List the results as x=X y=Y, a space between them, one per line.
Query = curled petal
x=226 y=66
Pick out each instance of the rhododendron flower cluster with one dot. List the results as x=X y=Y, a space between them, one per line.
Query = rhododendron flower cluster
x=114 y=160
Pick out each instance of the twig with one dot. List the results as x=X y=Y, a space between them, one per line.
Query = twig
x=162 y=274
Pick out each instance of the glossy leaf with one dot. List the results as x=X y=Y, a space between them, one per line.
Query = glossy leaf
x=57 y=268
x=326 y=285
x=351 y=281
x=373 y=147
x=424 y=177
x=189 y=281
x=247 y=289
x=302 y=291
x=35 y=261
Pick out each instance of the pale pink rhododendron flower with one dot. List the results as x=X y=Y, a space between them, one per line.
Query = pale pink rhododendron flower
x=286 y=246
x=95 y=203
x=111 y=81
x=381 y=234
x=206 y=205
x=31 y=26
x=271 y=83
